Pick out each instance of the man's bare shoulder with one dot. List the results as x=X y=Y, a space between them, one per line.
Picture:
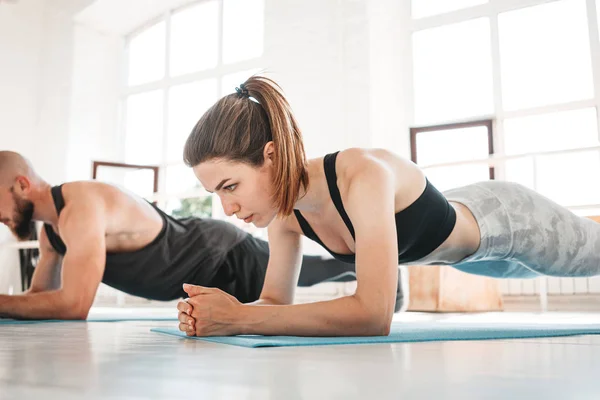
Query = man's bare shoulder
x=119 y=210
x=82 y=193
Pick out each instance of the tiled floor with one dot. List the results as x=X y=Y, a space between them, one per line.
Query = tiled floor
x=74 y=360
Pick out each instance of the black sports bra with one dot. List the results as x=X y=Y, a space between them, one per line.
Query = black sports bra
x=420 y=228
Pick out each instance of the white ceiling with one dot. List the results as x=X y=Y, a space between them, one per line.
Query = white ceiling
x=70 y=7
x=122 y=17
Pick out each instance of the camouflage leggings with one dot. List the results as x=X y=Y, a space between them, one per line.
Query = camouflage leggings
x=525 y=235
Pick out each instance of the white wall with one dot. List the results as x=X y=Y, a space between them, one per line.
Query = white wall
x=94 y=112
x=36 y=44
x=53 y=97
x=390 y=82
x=58 y=97
x=21 y=27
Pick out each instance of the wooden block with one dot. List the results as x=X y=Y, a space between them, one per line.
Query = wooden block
x=595 y=218
x=424 y=287
x=466 y=292
x=445 y=289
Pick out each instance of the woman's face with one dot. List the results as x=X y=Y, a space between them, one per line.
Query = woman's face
x=244 y=190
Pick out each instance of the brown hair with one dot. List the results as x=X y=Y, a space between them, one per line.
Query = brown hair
x=237 y=128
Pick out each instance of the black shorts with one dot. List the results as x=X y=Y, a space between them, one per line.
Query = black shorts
x=249 y=258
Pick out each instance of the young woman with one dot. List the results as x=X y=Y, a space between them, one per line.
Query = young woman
x=370 y=207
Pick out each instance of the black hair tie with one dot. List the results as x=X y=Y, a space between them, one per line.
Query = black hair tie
x=241 y=90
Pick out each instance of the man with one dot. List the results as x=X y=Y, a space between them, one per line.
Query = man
x=95 y=232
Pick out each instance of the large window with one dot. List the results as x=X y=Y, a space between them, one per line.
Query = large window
x=545 y=55
x=177 y=67
x=531 y=69
x=453 y=61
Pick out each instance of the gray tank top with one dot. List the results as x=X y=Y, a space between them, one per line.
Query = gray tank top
x=189 y=250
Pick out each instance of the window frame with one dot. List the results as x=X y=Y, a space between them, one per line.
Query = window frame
x=487 y=123
x=154 y=168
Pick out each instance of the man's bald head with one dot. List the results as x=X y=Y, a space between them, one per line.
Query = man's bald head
x=16 y=208
x=13 y=165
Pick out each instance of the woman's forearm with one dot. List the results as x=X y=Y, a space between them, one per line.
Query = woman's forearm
x=345 y=316
x=261 y=302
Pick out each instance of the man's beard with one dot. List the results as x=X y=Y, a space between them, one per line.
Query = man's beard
x=24 y=227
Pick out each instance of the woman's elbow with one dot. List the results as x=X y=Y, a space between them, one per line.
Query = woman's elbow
x=377 y=321
x=382 y=324
x=372 y=325
x=386 y=327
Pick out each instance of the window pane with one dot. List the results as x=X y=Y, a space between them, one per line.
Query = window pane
x=466 y=144
x=147 y=55
x=565 y=178
x=545 y=55
x=140 y=182
x=144 y=128
x=445 y=178
x=520 y=170
x=243 y=27
x=564 y=130
x=231 y=81
x=426 y=8
x=116 y=176
x=453 y=72
x=192 y=207
x=187 y=103
x=181 y=179
x=195 y=38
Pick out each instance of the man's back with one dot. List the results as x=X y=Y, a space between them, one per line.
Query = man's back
x=149 y=253
x=130 y=222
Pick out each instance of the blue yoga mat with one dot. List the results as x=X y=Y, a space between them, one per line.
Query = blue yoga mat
x=410 y=332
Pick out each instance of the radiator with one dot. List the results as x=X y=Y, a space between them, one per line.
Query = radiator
x=524 y=287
